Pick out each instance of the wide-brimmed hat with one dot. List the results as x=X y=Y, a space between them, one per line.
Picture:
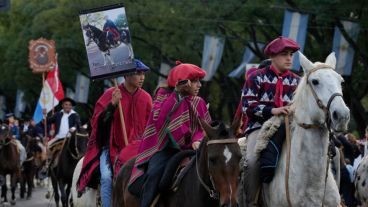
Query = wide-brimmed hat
x=67 y=99
x=8 y=115
x=140 y=66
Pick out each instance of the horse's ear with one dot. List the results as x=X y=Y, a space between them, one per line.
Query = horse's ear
x=305 y=63
x=331 y=60
x=211 y=132
x=235 y=125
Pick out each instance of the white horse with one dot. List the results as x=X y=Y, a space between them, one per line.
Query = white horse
x=361 y=182
x=88 y=199
x=317 y=106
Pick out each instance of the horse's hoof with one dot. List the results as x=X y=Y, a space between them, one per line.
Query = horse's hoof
x=13 y=202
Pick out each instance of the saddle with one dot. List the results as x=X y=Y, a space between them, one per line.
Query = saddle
x=175 y=170
x=55 y=149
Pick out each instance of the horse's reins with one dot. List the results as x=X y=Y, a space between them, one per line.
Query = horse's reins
x=327 y=124
x=76 y=156
x=212 y=192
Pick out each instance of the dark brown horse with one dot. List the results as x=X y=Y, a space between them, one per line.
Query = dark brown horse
x=74 y=149
x=9 y=162
x=211 y=180
x=35 y=159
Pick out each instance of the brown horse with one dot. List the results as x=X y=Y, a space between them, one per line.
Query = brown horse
x=9 y=162
x=211 y=180
x=35 y=159
x=73 y=150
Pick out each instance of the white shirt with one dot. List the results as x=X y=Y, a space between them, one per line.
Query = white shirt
x=64 y=125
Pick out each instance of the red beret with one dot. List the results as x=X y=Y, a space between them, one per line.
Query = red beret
x=280 y=44
x=184 y=71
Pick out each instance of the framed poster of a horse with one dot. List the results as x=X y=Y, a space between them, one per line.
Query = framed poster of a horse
x=107 y=40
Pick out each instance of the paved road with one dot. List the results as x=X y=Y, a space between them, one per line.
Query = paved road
x=38 y=199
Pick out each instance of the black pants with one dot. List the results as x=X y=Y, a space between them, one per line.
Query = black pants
x=153 y=175
x=270 y=156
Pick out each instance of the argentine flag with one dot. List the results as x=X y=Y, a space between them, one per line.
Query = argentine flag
x=52 y=92
x=343 y=50
x=295 y=27
x=247 y=58
x=212 y=54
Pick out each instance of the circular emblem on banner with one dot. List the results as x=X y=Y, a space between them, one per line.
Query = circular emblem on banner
x=41 y=55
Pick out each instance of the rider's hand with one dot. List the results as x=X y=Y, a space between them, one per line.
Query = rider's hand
x=116 y=96
x=195 y=145
x=44 y=111
x=72 y=129
x=52 y=132
x=280 y=111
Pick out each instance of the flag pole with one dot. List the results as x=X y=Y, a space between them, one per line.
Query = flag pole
x=44 y=105
x=121 y=116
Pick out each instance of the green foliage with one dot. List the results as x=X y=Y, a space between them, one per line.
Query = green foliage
x=168 y=30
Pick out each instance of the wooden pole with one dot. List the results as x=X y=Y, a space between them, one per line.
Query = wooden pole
x=44 y=102
x=122 y=116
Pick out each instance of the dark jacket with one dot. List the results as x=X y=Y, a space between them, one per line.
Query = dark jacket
x=74 y=120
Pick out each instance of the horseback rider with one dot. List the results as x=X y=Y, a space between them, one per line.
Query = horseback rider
x=107 y=139
x=14 y=129
x=267 y=93
x=113 y=34
x=66 y=121
x=176 y=111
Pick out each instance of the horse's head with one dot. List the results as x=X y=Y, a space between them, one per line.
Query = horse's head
x=223 y=157
x=320 y=90
x=79 y=141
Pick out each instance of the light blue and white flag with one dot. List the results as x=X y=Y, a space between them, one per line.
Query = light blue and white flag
x=2 y=107
x=247 y=58
x=82 y=89
x=212 y=54
x=343 y=50
x=164 y=70
x=70 y=93
x=20 y=105
x=295 y=28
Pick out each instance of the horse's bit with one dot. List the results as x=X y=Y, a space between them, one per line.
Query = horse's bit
x=212 y=192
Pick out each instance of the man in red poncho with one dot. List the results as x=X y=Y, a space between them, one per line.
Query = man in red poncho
x=106 y=140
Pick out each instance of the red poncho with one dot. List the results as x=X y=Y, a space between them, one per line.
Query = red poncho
x=174 y=123
x=136 y=108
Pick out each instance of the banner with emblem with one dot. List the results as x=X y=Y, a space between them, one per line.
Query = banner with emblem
x=107 y=41
x=81 y=89
x=42 y=56
x=212 y=54
x=343 y=50
x=295 y=27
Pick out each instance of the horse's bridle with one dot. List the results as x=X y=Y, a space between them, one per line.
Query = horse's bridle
x=325 y=109
x=212 y=192
x=76 y=156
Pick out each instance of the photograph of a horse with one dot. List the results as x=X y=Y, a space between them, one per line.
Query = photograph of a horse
x=107 y=41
